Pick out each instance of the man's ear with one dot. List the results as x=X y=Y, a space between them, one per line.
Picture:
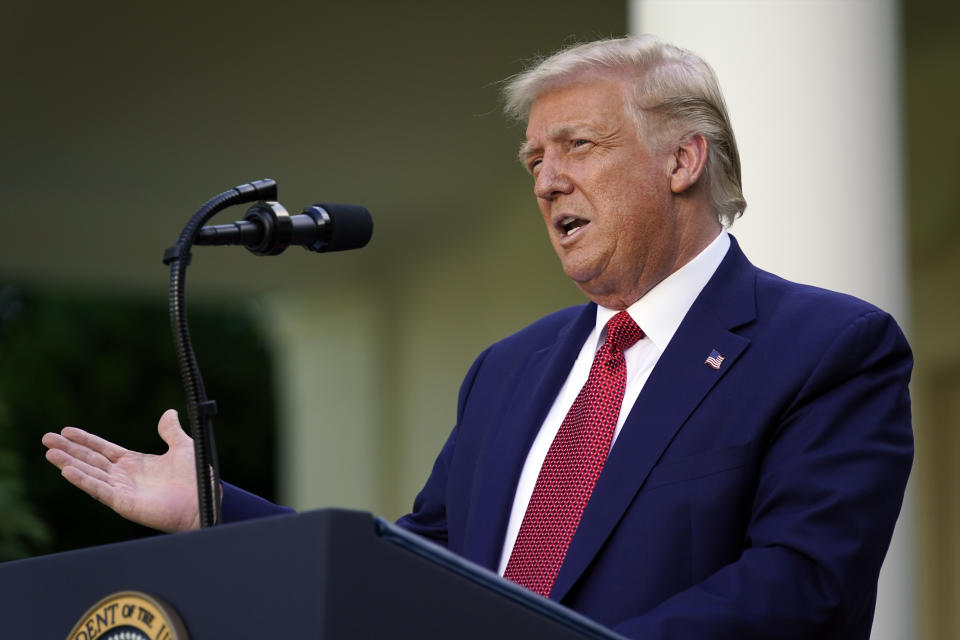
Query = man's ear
x=689 y=160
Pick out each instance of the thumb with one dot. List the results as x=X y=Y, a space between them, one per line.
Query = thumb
x=170 y=430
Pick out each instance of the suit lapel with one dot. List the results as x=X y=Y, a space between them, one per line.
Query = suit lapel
x=677 y=384
x=505 y=452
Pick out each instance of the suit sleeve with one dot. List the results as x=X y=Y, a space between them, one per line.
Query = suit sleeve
x=829 y=490
x=238 y=504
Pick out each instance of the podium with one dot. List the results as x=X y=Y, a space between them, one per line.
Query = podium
x=323 y=574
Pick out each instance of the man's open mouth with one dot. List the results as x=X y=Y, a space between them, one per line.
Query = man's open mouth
x=571 y=224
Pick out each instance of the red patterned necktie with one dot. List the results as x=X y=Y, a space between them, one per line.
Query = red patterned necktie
x=573 y=464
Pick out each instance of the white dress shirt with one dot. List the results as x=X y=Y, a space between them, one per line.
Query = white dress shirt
x=659 y=314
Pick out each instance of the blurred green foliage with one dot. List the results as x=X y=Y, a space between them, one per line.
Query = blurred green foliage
x=107 y=364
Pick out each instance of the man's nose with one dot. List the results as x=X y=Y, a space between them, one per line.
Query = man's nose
x=551 y=180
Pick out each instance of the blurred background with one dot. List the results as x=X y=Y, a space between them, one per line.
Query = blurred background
x=337 y=375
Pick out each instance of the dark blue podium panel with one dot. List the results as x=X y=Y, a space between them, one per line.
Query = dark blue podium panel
x=322 y=574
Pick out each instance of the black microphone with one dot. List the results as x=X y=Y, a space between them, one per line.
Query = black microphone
x=268 y=229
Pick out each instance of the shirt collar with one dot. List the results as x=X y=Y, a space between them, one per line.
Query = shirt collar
x=660 y=312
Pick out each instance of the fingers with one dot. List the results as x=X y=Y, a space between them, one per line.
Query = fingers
x=56 y=456
x=61 y=459
x=79 y=445
x=96 y=488
x=76 y=440
x=91 y=479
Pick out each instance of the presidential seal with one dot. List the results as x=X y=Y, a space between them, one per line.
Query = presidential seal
x=129 y=615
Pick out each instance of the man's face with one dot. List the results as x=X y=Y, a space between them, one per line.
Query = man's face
x=604 y=194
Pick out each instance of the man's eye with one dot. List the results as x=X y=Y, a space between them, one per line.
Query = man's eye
x=534 y=164
x=580 y=143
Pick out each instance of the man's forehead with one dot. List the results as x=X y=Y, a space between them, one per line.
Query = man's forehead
x=584 y=103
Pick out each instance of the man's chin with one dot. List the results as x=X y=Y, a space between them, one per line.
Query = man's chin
x=580 y=276
x=605 y=293
x=592 y=281
x=589 y=284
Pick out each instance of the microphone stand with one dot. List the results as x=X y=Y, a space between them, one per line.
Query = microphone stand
x=200 y=409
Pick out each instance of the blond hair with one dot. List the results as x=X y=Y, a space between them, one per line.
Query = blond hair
x=674 y=91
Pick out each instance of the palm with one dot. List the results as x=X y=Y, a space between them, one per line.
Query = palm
x=156 y=491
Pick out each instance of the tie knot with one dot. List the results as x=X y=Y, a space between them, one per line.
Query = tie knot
x=622 y=332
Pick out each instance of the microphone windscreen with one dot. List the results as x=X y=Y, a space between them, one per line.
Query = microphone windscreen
x=351 y=226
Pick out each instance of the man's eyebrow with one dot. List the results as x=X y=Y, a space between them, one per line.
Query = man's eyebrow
x=526 y=150
x=561 y=132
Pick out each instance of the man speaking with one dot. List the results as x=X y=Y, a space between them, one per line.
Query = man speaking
x=703 y=450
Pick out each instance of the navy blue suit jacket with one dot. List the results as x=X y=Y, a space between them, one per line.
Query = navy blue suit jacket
x=753 y=501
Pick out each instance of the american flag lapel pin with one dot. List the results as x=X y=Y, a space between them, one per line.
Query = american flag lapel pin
x=714 y=359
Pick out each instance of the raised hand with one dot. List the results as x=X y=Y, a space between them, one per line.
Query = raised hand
x=155 y=491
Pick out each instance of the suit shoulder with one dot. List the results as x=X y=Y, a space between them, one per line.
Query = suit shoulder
x=544 y=332
x=776 y=295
